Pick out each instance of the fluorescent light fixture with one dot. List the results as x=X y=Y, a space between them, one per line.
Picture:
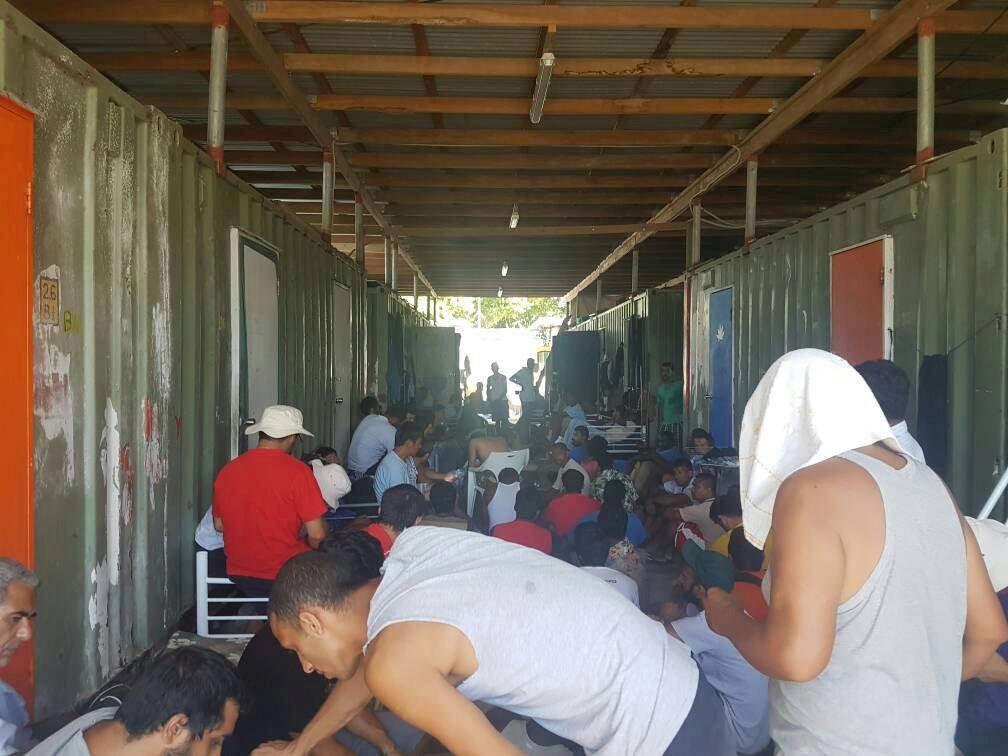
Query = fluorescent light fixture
x=514 y=216
x=504 y=270
x=542 y=86
x=500 y=291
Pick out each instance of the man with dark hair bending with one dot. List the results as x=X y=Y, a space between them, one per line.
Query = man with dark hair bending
x=427 y=638
x=186 y=703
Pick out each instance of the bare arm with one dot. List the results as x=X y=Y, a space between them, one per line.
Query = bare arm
x=367 y=726
x=218 y=524
x=985 y=622
x=408 y=668
x=796 y=641
x=345 y=701
x=317 y=532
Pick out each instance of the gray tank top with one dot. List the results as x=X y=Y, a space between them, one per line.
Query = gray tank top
x=892 y=683
x=553 y=642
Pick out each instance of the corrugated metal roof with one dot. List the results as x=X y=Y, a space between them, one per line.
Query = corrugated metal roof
x=744 y=43
x=90 y=38
x=166 y=82
x=410 y=86
x=693 y=86
x=484 y=41
x=821 y=43
x=352 y=38
x=477 y=86
x=636 y=43
x=594 y=87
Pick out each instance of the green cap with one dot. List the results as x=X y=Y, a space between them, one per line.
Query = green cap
x=712 y=569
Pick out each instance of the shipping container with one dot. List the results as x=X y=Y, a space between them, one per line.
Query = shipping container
x=147 y=362
x=393 y=325
x=656 y=316
x=944 y=294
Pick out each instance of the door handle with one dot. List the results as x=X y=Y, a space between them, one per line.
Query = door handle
x=708 y=397
x=248 y=421
x=339 y=400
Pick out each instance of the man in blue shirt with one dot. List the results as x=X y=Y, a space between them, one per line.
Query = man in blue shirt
x=399 y=466
x=983 y=705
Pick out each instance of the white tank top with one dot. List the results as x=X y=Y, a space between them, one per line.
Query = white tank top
x=501 y=508
x=554 y=643
x=892 y=683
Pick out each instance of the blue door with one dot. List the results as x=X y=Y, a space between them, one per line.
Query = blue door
x=722 y=393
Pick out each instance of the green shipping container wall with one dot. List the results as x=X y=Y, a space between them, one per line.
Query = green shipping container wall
x=133 y=387
x=661 y=312
x=950 y=238
x=392 y=327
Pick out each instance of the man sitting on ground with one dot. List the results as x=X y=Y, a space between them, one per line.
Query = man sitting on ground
x=566 y=511
x=444 y=502
x=560 y=456
x=726 y=513
x=264 y=499
x=579 y=451
x=186 y=702
x=400 y=466
x=743 y=690
x=527 y=529
x=679 y=508
x=621 y=426
x=891 y=388
x=17 y=612
x=457 y=617
x=373 y=438
x=402 y=507
x=592 y=547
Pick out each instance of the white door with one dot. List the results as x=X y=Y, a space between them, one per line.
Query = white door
x=342 y=327
x=255 y=333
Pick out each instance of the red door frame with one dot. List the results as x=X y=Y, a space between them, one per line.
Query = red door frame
x=17 y=532
x=863 y=308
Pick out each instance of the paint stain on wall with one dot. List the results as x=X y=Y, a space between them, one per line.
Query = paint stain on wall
x=98 y=605
x=111 y=466
x=53 y=397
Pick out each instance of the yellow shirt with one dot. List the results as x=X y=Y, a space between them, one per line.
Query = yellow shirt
x=721 y=544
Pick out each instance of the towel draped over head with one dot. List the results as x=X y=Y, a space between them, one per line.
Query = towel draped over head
x=811 y=405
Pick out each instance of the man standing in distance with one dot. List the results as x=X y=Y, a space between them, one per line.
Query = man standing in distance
x=262 y=501
x=497 y=394
x=670 y=403
x=525 y=378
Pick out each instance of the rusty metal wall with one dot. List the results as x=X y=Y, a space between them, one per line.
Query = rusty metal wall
x=132 y=384
x=951 y=298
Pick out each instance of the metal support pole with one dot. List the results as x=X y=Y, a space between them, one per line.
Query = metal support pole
x=598 y=294
x=693 y=256
x=428 y=304
x=358 y=225
x=415 y=298
x=388 y=261
x=220 y=20
x=752 y=172
x=635 y=272
x=328 y=172
x=925 y=96
x=394 y=272
x=435 y=311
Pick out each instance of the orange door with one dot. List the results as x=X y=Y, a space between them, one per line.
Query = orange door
x=860 y=303
x=16 y=285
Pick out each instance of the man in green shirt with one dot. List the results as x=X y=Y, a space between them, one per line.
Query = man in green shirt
x=670 y=403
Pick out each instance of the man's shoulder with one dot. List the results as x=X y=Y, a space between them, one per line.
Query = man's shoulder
x=68 y=741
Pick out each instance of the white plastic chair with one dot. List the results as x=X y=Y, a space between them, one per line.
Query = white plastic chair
x=496 y=462
x=204 y=599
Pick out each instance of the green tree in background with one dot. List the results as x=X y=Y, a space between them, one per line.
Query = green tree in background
x=501 y=312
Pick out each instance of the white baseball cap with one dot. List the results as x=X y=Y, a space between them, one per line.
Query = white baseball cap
x=279 y=421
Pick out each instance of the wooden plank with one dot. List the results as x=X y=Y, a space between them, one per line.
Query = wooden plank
x=486 y=231
x=873 y=45
x=188 y=60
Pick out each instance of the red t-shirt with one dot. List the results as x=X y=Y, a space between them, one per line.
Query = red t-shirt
x=381 y=535
x=566 y=511
x=526 y=533
x=264 y=498
x=751 y=598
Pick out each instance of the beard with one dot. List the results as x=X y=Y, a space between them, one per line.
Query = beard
x=184 y=751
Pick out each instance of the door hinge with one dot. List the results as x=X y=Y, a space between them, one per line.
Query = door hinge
x=28 y=198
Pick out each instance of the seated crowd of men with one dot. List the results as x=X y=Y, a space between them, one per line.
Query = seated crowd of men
x=598 y=605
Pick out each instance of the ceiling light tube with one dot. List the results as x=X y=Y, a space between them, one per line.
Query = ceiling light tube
x=504 y=270
x=514 y=216
x=541 y=87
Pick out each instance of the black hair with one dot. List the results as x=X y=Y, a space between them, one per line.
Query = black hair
x=369 y=405
x=598 y=447
x=192 y=681
x=400 y=507
x=407 y=432
x=325 y=578
x=727 y=505
x=698 y=433
x=443 y=497
x=423 y=418
x=561 y=445
x=706 y=478
x=745 y=556
x=890 y=385
x=528 y=504
x=573 y=481
x=530 y=478
x=438 y=408
x=508 y=476
x=613 y=517
x=667 y=365
x=614 y=492
x=319 y=453
x=395 y=410
x=682 y=462
x=582 y=429
x=591 y=544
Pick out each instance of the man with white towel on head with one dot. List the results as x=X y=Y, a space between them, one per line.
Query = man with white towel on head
x=879 y=602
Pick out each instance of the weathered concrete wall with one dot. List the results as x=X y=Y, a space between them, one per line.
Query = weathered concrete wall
x=132 y=389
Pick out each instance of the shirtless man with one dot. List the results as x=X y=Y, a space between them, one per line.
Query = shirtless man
x=482 y=446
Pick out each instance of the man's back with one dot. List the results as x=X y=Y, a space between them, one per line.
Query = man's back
x=496 y=387
x=264 y=498
x=372 y=439
x=533 y=621
x=564 y=512
x=69 y=741
x=394 y=471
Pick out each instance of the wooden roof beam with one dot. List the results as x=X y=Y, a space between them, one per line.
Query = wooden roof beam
x=284 y=84
x=197 y=13
x=872 y=46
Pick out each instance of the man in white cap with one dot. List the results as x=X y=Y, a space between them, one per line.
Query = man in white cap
x=264 y=500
